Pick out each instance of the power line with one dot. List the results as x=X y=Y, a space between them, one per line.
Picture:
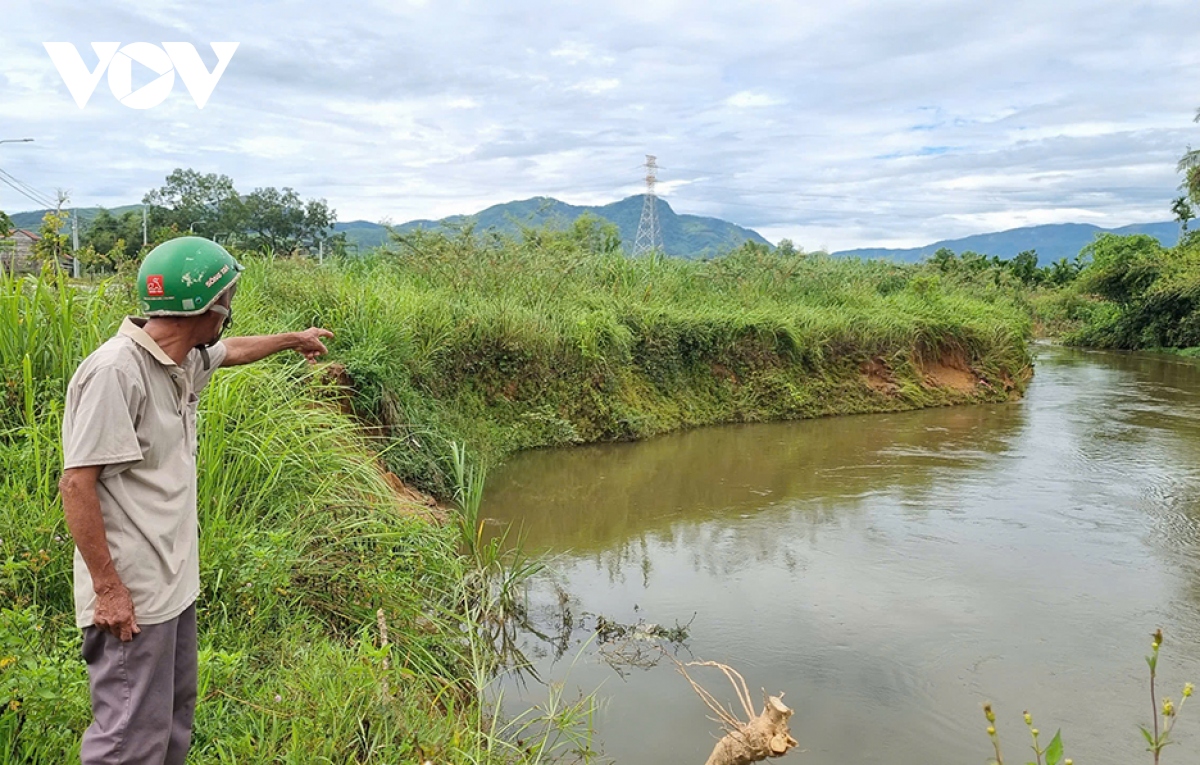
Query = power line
x=33 y=196
x=24 y=189
x=19 y=190
x=23 y=184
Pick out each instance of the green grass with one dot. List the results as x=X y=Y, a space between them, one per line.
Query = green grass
x=498 y=343
x=302 y=544
x=508 y=344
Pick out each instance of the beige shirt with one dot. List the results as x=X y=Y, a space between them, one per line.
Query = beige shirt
x=131 y=409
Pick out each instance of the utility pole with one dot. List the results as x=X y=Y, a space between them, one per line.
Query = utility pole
x=649 y=234
x=144 y=239
x=75 y=243
x=60 y=199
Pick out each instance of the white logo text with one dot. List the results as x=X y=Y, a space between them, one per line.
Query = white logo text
x=164 y=61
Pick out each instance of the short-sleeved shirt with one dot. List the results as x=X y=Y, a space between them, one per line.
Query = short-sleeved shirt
x=131 y=409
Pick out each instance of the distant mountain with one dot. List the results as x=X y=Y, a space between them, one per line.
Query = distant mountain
x=688 y=236
x=1052 y=242
x=33 y=219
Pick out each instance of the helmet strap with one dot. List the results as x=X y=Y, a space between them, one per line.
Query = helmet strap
x=220 y=310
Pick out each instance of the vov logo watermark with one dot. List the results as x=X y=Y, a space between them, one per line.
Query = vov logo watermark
x=165 y=61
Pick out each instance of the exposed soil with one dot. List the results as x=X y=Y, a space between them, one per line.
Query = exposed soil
x=412 y=501
x=408 y=499
x=878 y=377
x=952 y=372
x=338 y=378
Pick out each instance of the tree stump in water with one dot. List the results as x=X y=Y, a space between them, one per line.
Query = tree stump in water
x=761 y=736
x=764 y=736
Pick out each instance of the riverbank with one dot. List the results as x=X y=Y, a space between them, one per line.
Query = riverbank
x=553 y=340
x=500 y=344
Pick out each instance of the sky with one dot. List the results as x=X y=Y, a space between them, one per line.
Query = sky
x=837 y=125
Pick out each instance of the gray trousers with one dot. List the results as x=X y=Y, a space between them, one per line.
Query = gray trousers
x=143 y=694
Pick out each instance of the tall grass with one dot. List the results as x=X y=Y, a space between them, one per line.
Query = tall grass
x=303 y=543
x=510 y=343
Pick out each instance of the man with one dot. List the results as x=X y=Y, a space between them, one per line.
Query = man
x=129 y=495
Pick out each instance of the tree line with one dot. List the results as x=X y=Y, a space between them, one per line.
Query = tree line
x=200 y=204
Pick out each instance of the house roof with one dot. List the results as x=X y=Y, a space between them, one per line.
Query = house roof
x=23 y=232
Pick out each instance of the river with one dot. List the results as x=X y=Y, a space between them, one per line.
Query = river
x=891 y=572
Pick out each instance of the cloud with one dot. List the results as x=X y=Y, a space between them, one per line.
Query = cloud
x=868 y=122
x=748 y=99
x=597 y=85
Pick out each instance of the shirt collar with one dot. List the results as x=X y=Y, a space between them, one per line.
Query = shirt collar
x=133 y=328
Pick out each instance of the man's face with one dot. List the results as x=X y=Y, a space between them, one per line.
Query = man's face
x=221 y=323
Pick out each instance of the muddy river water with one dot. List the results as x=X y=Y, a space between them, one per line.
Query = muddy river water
x=891 y=572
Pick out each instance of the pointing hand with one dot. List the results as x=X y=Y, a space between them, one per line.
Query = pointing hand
x=310 y=345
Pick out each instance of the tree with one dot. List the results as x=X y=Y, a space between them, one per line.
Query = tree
x=1025 y=267
x=944 y=259
x=1122 y=268
x=52 y=245
x=975 y=262
x=1183 y=211
x=201 y=204
x=1061 y=272
x=788 y=249
x=281 y=220
x=208 y=205
x=111 y=241
x=596 y=235
x=6 y=230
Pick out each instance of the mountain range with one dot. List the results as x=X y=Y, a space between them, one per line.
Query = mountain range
x=689 y=236
x=1052 y=242
x=697 y=236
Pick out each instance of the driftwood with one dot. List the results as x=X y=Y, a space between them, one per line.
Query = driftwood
x=761 y=735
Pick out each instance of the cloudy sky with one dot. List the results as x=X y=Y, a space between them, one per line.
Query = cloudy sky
x=837 y=124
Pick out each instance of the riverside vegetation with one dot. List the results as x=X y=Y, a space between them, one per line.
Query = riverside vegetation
x=1120 y=292
x=339 y=622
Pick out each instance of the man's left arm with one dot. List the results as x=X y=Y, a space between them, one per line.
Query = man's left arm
x=247 y=350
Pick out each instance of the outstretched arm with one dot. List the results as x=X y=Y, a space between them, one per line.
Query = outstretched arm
x=247 y=350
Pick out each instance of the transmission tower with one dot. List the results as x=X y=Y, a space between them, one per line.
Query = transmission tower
x=649 y=235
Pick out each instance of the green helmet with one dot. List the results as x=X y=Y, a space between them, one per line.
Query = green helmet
x=185 y=276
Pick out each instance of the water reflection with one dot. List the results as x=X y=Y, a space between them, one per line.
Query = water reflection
x=892 y=572
x=603 y=496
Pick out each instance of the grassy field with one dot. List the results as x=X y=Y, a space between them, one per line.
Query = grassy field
x=496 y=343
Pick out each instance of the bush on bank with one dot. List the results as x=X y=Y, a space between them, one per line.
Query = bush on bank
x=1142 y=296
